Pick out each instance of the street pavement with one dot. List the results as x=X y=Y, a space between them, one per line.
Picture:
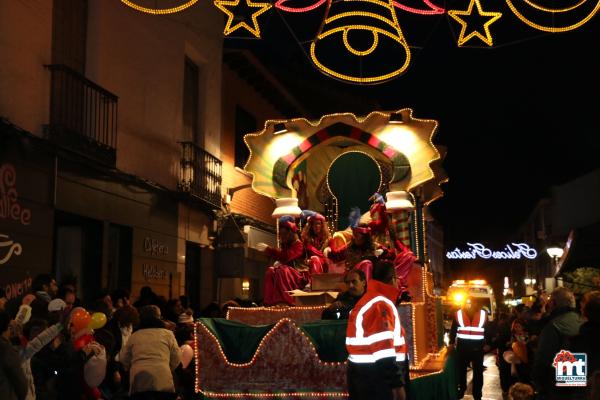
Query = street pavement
x=491 y=380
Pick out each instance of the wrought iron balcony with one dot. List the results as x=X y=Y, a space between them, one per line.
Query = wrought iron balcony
x=83 y=115
x=200 y=174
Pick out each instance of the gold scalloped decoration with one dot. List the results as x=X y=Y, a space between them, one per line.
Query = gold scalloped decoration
x=273 y=156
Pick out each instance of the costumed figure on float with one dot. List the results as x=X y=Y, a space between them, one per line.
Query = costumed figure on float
x=315 y=237
x=379 y=224
x=354 y=247
x=357 y=246
x=289 y=272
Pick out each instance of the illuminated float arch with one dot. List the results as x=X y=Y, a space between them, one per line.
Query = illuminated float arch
x=406 y=148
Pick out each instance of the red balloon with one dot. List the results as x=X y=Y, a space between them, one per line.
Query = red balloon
x=80 y=342
x=80 y=319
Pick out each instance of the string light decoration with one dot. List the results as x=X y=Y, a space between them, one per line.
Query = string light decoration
x=413 y=307
x=284 y=325
x=230 y=26
x=399 y=162
x=159 y=11
x=433 y=9
x=464 y=37
x=572 y=17
x=346 y=18
x=281 y=5
x=416 y=145
x=352 y=23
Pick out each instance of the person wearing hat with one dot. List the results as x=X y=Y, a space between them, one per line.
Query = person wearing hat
x=289 y=271
x=468 y=336
x=361 y=248
x=315 y=237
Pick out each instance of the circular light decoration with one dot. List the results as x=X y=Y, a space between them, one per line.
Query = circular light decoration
x=560 y=19
x=159 y=11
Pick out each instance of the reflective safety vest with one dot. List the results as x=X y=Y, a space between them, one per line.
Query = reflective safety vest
x=374 y=330
x=470 y=330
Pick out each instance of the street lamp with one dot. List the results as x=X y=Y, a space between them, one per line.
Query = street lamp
x=555 y=253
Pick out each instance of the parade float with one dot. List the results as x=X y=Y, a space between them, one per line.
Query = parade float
x=331 y=165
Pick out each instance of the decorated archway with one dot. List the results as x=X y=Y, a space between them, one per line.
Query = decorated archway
x=293 y=158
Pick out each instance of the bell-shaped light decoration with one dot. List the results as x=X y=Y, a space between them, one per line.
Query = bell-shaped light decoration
x=397 y=201
x=286 y=206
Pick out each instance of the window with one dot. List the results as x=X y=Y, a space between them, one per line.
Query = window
x=69 y=31
x=191 y=80
x=244 y=123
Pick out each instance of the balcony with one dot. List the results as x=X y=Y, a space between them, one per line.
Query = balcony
x=200 y=174
x=83 y=115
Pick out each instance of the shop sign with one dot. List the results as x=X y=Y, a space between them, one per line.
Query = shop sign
x=153 y=272
x=10 y=208
x=512 y=251
x=16 y=289
x=8 y=248
x=155 y=247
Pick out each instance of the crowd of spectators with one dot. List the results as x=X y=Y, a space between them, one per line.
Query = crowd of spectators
x=52 y=346
x=528 y=339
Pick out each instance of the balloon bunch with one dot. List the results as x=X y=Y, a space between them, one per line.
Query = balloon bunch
x=82 y=319
x=82 y=324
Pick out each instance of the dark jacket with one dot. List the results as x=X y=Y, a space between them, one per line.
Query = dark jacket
x=563 y=324
x=13 y=384
x=348 y=302
x=588 y=341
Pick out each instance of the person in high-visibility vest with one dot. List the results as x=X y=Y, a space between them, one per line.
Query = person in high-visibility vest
x=468 y=335
x=377 y=353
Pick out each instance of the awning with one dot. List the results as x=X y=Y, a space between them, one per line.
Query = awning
x=582 y=249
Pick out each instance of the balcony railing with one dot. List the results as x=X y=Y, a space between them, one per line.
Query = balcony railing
x=83 y=115
x=200 y=174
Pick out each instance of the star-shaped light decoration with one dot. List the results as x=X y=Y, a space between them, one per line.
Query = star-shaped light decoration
x=492 y=17
x=235 y=22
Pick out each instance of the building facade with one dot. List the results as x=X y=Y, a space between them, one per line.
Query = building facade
x=112 y=128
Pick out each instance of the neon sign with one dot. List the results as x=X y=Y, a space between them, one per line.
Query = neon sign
x=513 y=251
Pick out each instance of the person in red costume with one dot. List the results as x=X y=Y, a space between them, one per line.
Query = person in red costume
x=403 y=262
x=360 y=251
x=379 y=224
x=401 y=256
x=315 y=237
x=289 y=271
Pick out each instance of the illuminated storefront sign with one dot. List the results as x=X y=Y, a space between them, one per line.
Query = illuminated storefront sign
x=513 y=251
x=11 y=246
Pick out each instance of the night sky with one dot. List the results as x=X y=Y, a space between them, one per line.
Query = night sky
x=516 y=119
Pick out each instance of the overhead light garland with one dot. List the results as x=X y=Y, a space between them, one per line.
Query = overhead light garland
x=159 y=11
x=376 y=46
x=555 y=17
